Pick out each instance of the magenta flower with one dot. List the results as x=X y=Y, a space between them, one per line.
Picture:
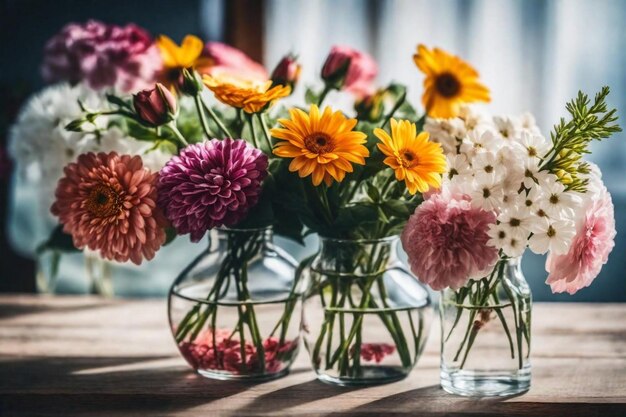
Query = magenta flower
x=102 y=55
x=211 y=184
x=590 y=247
x=446 y=241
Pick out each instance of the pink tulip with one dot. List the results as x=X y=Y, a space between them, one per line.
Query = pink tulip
x=351 y=70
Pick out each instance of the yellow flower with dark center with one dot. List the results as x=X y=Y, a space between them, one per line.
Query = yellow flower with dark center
x=321 y=145
x=449 y=82
x=416 y=160
x=184 y=56
x=250 y=95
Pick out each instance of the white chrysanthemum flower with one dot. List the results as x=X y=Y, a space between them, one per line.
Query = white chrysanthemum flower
x=531 y=146
x=530 y=176
x=39 y=136
x=531 y=199
x=507 y=127
x=486 y=193
x=447 y=132
x=554 y=236
x=555 y=201
x=114 y=139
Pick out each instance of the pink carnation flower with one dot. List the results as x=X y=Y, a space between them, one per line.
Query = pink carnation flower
x=102 y=55
x=225 y=58
x=446 y=241
x=211 y=184
x=360 y=73
x=594 y=240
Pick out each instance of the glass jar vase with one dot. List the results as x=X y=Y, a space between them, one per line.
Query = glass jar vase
x=231 y=309
x=485 y=330
x=365 y=316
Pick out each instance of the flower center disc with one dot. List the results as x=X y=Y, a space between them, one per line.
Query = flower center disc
x=103 y=201
x=408 y=158
x=447 y=85
x=319 y=142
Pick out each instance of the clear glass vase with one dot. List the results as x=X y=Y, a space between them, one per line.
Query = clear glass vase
x=365 y=317
x=485 y=334
x=94 y=273
x=231 y=309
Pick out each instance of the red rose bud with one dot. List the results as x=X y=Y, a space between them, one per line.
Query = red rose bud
x=351 y=70
x=156 y=106
x=370 y=108
x=287 y=72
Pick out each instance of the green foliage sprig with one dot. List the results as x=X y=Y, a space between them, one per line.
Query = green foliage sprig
x=570 y=140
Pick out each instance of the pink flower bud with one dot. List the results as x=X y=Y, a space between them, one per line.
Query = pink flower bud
x=156 y=106
x=286 y=72
x=351 y=70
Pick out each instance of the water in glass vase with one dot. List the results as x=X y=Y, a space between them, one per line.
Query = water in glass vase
x=485 y=330
x=231 y=310
x=365 y=317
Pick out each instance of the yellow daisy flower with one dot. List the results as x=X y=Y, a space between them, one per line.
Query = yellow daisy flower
x=416 y=160
x=250 y=95
x=449 y=82
x=184 y=56
x=321 y=145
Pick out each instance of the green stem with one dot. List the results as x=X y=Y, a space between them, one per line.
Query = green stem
x=250 y=121
x=202 y=116
x=325 y=92
x=179 y=136
x=266 y=132
x=394 y=109
x=216 y=119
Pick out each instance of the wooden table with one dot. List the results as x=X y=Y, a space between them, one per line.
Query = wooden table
x=78 y=356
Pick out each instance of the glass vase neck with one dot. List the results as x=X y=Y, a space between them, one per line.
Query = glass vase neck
x=355 y=257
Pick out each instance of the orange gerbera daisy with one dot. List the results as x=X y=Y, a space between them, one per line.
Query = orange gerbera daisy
x=321 y=145
x=250 y=95
x=449 y=82
x=416 y=160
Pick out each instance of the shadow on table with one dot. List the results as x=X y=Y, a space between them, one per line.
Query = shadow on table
x=105 y=385
x=11 y=310
x=293 y=396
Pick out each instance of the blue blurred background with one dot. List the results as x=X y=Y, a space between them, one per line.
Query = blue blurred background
x=534 y=55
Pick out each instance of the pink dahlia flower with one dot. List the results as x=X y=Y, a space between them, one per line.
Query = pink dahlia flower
x=211 y=184
x=225 y=58
x=107 y=202
x=590 y=249
x=102 y=55
x=353 y=70
x=446 y=241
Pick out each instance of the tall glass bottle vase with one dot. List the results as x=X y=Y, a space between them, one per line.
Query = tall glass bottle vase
x=365 y=318
x=231 y=309
x=485 y=331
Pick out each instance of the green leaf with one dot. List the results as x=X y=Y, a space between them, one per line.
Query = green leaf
x=310 y=96
x=372 y=192
x=118 y=101
x=397 y=208
x=170 y=235
x=58 y=241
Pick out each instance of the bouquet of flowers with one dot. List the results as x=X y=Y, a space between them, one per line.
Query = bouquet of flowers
x=507 y=188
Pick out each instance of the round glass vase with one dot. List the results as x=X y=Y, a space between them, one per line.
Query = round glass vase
x=485 y=334
x=231 y=309
x=365 y=317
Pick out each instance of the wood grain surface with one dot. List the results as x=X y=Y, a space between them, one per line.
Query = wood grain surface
x=81 y=356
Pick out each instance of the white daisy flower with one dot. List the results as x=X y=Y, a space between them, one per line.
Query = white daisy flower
x=447 y=132
x=507 y=127
x=474 y=118
x=457 y=166
x=555 y=201
x=528 y=124
x=487 y=164
x=554 y=236
x=486 y=193
x=477 y=142
x=498 y=235
x=520 y=221
x=514 y=246
x=531 y=171
x=531 y=146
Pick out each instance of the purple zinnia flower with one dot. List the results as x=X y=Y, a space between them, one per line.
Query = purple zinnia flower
x=102 y=55
x=211 y=184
